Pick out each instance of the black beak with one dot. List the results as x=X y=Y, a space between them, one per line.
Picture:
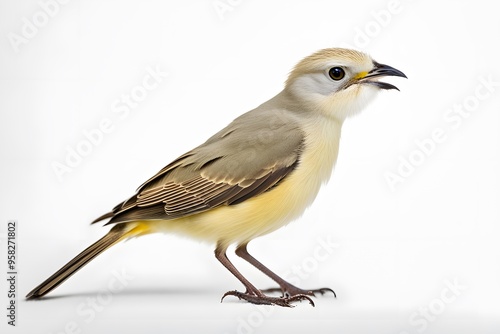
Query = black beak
x=381 y=70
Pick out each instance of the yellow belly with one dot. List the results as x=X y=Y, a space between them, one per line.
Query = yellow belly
x=271 y=210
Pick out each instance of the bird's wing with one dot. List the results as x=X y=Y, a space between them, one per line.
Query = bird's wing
x=247 y=158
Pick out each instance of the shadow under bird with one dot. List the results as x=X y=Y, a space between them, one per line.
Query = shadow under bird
x=254 y=176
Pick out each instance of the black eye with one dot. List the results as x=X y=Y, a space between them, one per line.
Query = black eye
x=336 y=73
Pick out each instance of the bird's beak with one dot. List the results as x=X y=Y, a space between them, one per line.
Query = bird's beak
x=378 y=71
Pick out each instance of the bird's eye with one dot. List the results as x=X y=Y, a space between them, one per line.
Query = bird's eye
x=336 y=73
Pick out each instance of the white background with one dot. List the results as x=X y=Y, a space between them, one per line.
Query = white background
x=395 y=249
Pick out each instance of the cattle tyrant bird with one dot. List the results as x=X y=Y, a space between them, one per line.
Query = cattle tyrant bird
x=254 y=176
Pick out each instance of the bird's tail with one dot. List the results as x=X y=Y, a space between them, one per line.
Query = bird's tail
x=116 y=234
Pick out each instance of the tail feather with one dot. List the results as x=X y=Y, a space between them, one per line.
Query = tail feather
x=116 y=234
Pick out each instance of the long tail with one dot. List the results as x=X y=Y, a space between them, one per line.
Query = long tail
x=116 y=234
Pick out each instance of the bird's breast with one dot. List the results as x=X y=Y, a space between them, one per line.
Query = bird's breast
x=277 y=207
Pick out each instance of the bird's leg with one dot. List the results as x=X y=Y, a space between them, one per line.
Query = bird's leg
x=252 y=294
x=287 y=289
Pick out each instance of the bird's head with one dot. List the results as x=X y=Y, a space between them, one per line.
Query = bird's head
x=338 y=82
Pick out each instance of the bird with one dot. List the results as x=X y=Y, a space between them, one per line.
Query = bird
x=254 y=176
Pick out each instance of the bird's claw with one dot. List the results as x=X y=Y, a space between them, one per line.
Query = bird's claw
x=322 y=291
x=267 y=300
x=293 y=291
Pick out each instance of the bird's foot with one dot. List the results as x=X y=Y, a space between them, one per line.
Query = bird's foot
x=291 y=290
x=262 y=299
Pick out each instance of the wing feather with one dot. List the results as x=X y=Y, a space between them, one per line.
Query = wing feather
x=230 y=168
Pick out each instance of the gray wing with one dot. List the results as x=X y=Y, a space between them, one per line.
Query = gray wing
x=248 y=157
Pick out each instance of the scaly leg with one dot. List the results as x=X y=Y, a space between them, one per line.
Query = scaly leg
x=287 y=289
x=252 y=294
